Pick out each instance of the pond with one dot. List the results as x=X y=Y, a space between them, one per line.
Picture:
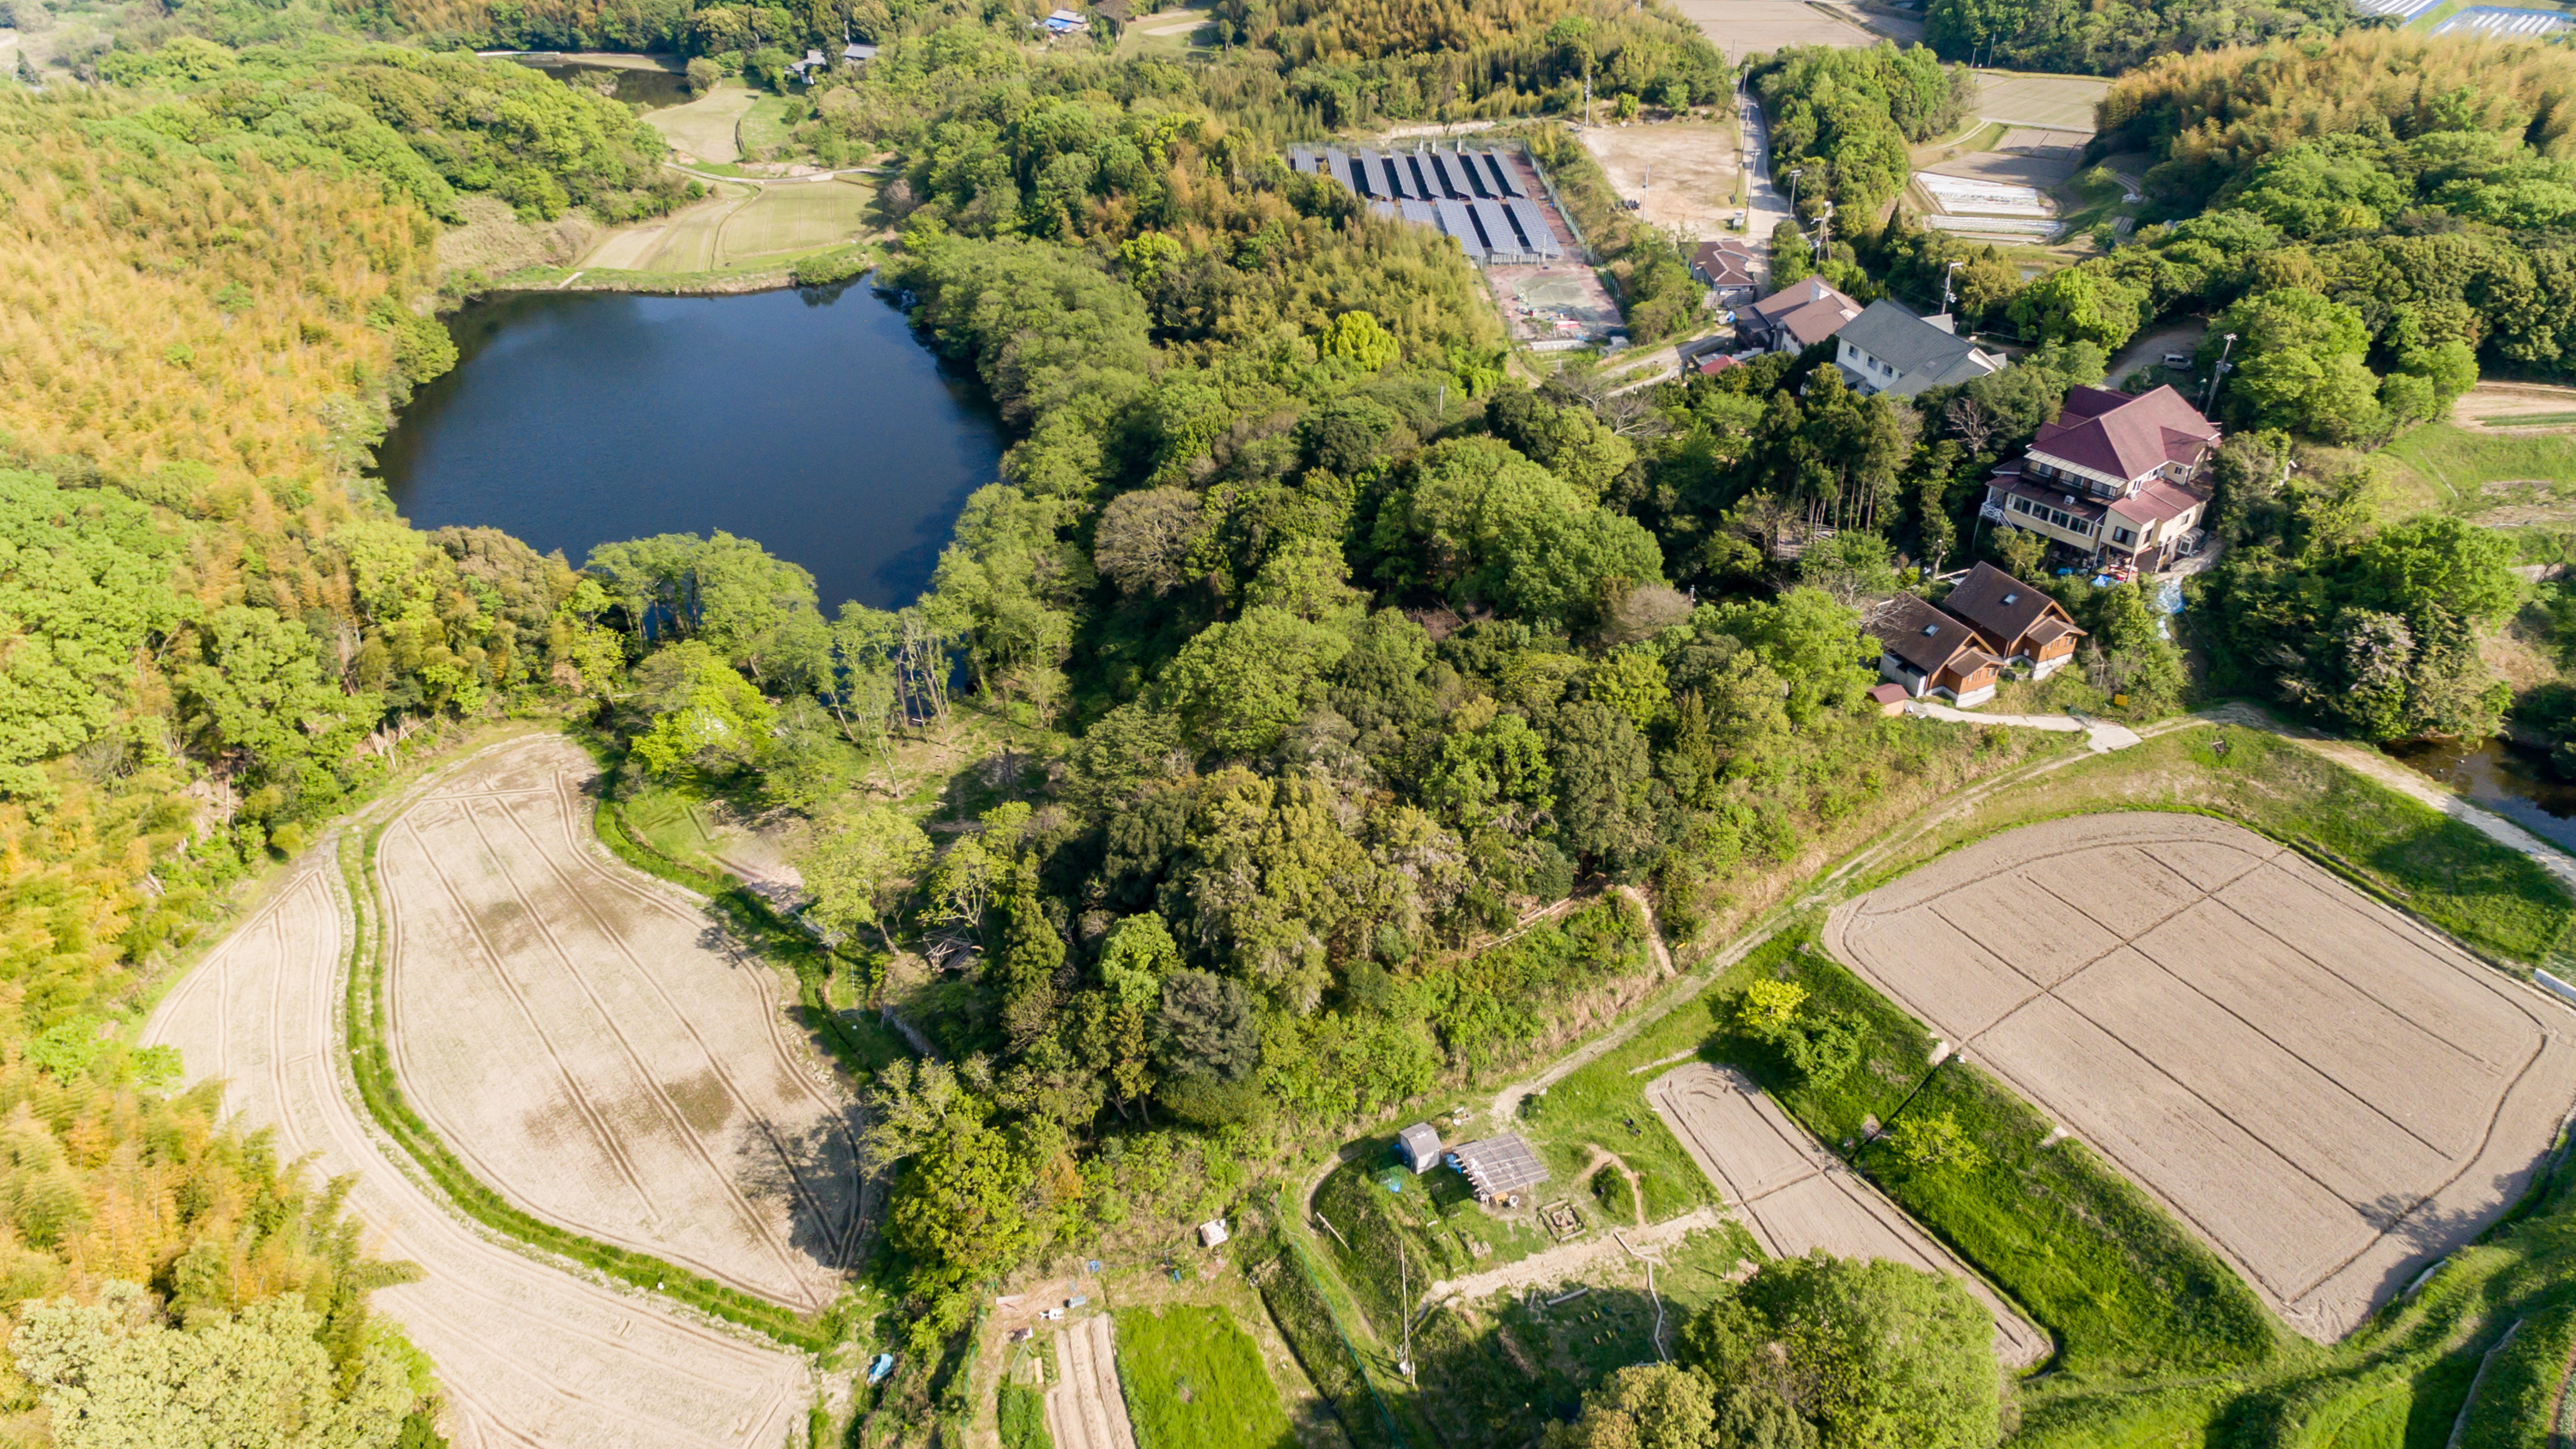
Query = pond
x=638 y=81
x=2515 y=781
x=813 y=422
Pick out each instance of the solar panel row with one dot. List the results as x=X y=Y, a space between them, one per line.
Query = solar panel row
x=1469 y=195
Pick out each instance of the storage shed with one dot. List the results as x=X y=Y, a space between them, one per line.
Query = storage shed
x=1419 y=1147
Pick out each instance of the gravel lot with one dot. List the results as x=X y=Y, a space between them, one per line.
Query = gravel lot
x=595 y=1050
x=527 y=1355
x=1797 y=1196
x=2330 y=1094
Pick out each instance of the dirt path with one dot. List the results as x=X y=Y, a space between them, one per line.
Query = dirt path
x=1603 y=1157
x=2368 y=762
x=527 y=1353
x=1555 y=1265
x=2100 y=736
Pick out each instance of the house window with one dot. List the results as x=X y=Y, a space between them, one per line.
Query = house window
x=2122 y=535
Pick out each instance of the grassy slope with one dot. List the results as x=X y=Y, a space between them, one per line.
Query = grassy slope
x=1194 y=1380
x=2466 y=458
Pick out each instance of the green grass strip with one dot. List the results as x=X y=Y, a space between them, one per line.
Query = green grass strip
x=1194 y=1380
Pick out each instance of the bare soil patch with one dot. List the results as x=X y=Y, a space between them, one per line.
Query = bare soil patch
x=526 y=1353
x=2331 y=1094
x=596 y=1050
x=2498 y=406
x=1085 y=1408
x=495 y=242
x=1796 y=1196
x=1682 y=172
x=1741 y=27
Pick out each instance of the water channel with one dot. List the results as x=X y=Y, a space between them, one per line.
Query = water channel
x=2511 y=780
x=813 y=422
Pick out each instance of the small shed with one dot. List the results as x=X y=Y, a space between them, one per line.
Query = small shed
x=1065 y=22
x=1212 y=1232
x=1890 y=698
x=1497 y=1167
x=1419 y=1146
x=858 y=53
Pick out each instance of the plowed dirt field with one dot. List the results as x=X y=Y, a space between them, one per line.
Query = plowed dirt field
x=594 y=1049
x=2332 y=1095
x=527 y=1354
x=1796 y=1196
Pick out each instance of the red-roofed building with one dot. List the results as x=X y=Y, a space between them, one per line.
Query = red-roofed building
x=2114 y=480
x=1796 y=317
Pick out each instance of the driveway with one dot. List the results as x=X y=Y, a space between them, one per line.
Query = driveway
x=1767 y=206
x=2148 y=348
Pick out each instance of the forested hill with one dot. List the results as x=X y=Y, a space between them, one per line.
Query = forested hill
x=212 y=285
x=2107 y=37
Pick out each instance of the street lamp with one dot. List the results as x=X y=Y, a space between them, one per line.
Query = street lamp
x=2209 y=393
x=1945 y=285
x=1794 y=173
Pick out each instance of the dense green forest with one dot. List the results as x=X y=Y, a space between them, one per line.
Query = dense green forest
x=2109 y=37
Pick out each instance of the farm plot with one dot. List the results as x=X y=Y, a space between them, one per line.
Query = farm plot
x=527 y=1354
x=795 y=217
x=1741 y=27
x=707 y=128
x=2045 y=102
x=2330 y=1094
x=1086 y=1409
x=1796 y=1196
x=594 y=1051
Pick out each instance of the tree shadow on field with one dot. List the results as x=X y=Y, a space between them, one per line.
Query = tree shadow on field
x=815 y=1174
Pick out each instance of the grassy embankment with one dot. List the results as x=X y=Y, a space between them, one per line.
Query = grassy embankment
x=1194 y=1380
x=2451 y=463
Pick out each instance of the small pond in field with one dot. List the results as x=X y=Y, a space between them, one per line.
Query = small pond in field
x=636 y=80
x=2515 y=781
x=813 y=422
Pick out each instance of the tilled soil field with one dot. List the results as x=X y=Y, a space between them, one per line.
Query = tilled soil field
x=1796 y=1196
x=527 y=1355
x=2331 y=1094
x=1086 y=1409
x=595 y=1050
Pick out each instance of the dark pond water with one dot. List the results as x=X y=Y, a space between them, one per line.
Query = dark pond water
x=2512 y=780
x=814 y=423
x=651 y=89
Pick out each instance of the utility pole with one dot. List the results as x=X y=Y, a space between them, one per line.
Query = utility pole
x=1946 y=273
x=2210 y=393
x=1404 y=1267
x=1794 y=173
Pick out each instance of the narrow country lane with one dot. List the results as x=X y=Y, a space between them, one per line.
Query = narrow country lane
x=527 y=1354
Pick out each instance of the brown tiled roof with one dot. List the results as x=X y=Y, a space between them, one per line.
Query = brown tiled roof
x=2122 y=436
x=2049 y=631
x=2159 y=501
x=1809 y=310
x=1999 y=606
x=1888 y=693
x=1924 y=637
x=1725 y=263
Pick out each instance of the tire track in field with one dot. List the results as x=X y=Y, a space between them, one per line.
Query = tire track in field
x=654 y=1088
x=528 y=1354
x=756 y=976
x=658 y=896
x=590 y=1112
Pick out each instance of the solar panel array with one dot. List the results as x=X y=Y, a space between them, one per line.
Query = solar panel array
x=1497 y=1166
x=1470 y=196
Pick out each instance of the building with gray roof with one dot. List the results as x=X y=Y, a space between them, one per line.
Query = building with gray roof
x=1888 y=349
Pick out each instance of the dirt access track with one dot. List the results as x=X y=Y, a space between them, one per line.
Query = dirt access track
x=594 y=1050
x=1796 y=1196
x=527 y=1354
x=1086 y=1408
x=2330 y=1094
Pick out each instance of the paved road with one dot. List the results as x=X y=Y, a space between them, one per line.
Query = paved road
x=1767 y=206
x=527 y=1354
